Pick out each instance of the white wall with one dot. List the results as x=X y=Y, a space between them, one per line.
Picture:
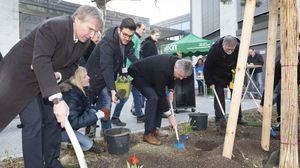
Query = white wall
x=196 y=17
x=228 y=18
x=9 y=31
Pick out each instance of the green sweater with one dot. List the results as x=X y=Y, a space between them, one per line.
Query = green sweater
x=137 y=47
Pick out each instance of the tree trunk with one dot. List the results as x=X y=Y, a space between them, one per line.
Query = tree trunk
x=239 y=78
x=101 y=4
x=269 y=74
x=289 y=98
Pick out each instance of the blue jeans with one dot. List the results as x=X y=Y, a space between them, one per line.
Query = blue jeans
x=85 y=142
x=104 y=99
x=258 y=79
x=137 y=99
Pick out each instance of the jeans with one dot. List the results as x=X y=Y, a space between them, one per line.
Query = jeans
x=200 y=87
x=85 y=142
x=137 y=99
x=258 y=79
x=104 y=99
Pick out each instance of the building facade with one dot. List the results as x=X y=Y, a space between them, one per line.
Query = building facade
x=19 y=17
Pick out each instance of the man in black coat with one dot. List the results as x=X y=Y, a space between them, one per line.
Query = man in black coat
x=218 y=71
x=151 y=76
x=109 y=58
x=148 y=46
x=255 y=58
x=29 y=74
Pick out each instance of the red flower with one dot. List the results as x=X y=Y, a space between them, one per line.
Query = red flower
x=134 y=160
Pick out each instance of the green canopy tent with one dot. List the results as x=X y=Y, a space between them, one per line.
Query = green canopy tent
x=188 y=46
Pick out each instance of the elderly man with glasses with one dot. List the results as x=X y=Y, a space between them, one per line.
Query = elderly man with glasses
x=218 y=72
x=109 y=58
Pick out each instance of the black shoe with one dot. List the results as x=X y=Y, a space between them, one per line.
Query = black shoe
x=96 y=149
x=117 y=122
x=241 y=122
x=140 y=119
x=133 y=111
x=20 y=125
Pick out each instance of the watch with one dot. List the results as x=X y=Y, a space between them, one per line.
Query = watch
x=57 y=100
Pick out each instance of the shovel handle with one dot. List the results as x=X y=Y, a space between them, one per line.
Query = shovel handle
x=175 y=128
x=215 y=92
x=75 y=144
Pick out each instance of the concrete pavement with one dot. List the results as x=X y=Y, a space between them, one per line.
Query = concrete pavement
x=11 y=142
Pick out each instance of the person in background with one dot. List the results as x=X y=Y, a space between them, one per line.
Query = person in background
x=82 y=113
x=256 y=59
x=148 y=46
x=106 y=61
x=86 y=55
x=199 y=67
x=151 y=76
x=218 y=72
x=29 y=75
x=137 y=96
x=277 y=87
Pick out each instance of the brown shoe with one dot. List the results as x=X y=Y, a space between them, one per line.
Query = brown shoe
x=159 y=133
x=151 y=139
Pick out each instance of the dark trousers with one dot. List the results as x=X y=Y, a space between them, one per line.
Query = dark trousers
x=200 y=86
x=41 y=135
x=218 y=112
x=155 y=106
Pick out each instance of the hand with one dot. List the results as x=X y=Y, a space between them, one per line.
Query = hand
x=57 y=76
x=212 y=86
x=172 y=121
x=114 y=98
x=61 y=112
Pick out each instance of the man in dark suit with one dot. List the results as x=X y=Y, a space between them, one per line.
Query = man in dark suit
x=151 y=76
x=29 y=75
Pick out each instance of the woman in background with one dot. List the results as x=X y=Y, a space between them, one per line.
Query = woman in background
x=199 y=75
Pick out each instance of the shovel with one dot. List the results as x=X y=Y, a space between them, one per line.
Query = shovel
x=178 y=144
x=75 y=144
x=220 y=105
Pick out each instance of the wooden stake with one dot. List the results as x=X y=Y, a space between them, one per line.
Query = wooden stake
x=289 y=89
x=239 y=78
x=269 y=74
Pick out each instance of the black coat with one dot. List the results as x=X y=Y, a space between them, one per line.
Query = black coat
x=82 y=114
x=106 y=61
x=157 y=71
x=28 y=68
x=256 y=60
x=218 y=65
x=148 y=48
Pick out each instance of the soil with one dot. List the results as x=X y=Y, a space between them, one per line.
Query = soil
x=203 y=149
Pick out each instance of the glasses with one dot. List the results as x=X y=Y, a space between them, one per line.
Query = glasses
x=127 y=35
